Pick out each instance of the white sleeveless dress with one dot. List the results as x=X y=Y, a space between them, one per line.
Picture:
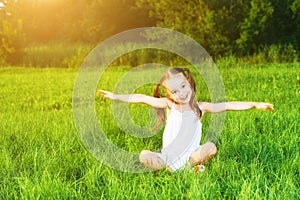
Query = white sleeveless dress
x=181 y=138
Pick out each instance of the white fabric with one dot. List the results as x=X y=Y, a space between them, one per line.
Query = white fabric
x=181 y=138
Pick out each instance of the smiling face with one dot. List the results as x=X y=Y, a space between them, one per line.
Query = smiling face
x=178 y=88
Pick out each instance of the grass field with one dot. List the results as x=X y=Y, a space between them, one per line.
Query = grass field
x=42 y=157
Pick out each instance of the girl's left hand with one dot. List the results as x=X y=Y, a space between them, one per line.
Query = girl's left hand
x=106 y=94
x=264 y=106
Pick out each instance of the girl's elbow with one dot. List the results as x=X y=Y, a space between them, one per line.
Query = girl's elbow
x=139 y=98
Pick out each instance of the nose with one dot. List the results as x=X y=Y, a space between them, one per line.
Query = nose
x=181 y=94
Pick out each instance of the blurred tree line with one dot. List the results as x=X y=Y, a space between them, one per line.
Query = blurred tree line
x=226 y=27
x=222 y=27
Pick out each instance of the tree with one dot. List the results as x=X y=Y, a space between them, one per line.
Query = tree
x=254 y=26
x=230 y=27
x=295 y=8
x=192 y=17
x=78 y=21
x=11 y=35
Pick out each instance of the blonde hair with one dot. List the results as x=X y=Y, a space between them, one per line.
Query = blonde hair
x=167 y=75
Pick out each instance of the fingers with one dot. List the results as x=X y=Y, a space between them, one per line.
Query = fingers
x=265 y=106
x=101 y=92
x=270 y=107
x=105 y=94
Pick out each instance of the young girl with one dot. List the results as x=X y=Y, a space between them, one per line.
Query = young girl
x=182 y=133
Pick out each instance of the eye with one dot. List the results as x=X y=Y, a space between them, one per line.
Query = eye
x=174 y=92
x=183 y=86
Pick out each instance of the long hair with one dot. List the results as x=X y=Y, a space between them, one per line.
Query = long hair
x=167 y=75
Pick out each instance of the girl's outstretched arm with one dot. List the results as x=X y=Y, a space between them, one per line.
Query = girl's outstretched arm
x=234 y=105
x=136 y=98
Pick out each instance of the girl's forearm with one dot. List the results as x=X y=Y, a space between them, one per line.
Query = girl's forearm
x=129 y=98
x=141 y=98
x=234 y=105
x=135 y=98
x=226 y=106
x=238 y=105
x=248 y=105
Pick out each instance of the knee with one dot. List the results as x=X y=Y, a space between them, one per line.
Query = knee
x=144 y=156
x=212 y=148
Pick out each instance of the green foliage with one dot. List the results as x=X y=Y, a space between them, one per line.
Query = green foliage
x=253 y=28
x=78 y=21
x=193 y=18
x=63 y=55
x=266 y=54
x=63 y=21
x=11 y=41
x=237 y=27
x=295 y=8
x=231 y=27
x=66 y=55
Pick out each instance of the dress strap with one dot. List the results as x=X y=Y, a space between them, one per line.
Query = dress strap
x=173 y=106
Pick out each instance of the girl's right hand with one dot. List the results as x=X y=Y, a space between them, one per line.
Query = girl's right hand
x=106 y=94
x=264 y=106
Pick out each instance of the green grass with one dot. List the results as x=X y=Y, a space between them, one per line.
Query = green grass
x=42 y=156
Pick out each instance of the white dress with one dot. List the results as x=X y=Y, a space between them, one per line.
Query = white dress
x=181 y=138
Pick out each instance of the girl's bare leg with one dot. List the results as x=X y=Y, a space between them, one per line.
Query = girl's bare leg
x=203 y=154
x=151 y=160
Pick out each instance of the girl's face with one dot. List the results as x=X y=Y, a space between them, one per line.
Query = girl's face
x=179 y=89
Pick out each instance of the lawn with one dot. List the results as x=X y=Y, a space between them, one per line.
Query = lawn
x=42 y=156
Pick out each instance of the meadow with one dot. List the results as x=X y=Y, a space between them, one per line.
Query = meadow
x=42 y=156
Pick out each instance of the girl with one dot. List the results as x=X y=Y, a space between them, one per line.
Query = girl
x=182 y=133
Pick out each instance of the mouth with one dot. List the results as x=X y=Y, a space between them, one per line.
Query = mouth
x=184 y=98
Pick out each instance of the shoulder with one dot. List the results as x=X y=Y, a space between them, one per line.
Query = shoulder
x=162 y=102
x=169 y=102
